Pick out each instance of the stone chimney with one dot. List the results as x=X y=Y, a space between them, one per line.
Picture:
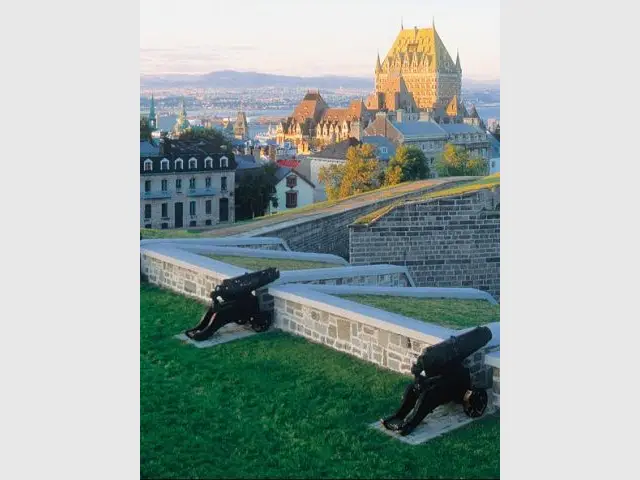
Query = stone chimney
x=272 y=153
x=400 y=116
x=161 y=145
x=256 y=153
x=425 y=116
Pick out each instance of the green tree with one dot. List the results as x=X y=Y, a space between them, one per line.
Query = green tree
x=145 y=131
x=408 y=163
x=456 y=161
x=254 y=192
x=211 y=136
x=359 y=173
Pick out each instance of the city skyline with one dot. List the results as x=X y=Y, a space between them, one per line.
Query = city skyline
x=307 y=38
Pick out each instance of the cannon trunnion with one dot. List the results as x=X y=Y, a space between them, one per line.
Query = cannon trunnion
x=233 y=301
x=440 y=378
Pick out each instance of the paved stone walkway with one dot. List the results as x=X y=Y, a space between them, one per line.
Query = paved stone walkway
x=442 y=420
x=228 y=333
x=360 y=201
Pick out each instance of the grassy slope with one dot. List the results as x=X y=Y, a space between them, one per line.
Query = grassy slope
x=255 y=263
x=275 y=406
x=445 y=312
x=385 y=192
x=490 y=181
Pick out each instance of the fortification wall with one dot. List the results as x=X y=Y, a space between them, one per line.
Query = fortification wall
x=444 y=242
x=330 y=233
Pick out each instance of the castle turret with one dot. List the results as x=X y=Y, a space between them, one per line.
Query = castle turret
x=458 y=67
x=378 y=64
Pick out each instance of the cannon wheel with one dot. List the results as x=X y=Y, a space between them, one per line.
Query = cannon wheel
x=475 y=402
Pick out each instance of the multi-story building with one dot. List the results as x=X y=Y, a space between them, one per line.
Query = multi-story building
x=429 y=136
x=313 y=121
x=185 y=185
x=417 y=74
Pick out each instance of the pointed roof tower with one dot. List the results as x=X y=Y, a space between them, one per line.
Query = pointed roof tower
x=458 y=67
x=378 y=65
x=401 y=24
x=152 y=108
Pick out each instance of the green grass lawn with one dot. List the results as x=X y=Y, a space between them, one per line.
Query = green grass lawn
x=445 y=312
x=256 y=263
x=277 y=406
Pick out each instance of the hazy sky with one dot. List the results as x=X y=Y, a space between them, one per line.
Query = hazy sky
x=308 y=38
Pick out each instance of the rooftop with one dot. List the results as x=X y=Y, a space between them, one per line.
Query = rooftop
x=420 y=128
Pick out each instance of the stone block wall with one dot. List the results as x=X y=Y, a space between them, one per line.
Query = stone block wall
x=330 y=233
x=191 y=282
x=366 y=341
x=444 y=242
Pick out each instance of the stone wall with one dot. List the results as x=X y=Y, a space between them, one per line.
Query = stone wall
x=373 y=341
x=444 y=242
x=330 y=233
x=190 y=281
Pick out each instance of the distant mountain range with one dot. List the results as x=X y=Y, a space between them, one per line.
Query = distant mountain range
x=235 y=79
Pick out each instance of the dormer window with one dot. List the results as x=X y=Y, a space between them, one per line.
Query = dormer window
x=383 y=149
x=208 y=162
x=192 y=163
x=148 y=165
x=224 y=162
x=179 y=164
x=164 y=164
x=292 y=181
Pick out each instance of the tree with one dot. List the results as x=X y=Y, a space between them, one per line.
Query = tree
x=254 y=192
x=358 y=174
x=456 y=161
x=145 y=131
x=212 y=136
x=408 y=163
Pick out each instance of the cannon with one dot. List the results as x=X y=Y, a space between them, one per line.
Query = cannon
x=440 y=378
x=233 y=301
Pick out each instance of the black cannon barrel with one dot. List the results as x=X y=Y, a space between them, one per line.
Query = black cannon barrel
x=437 y=358
x=244 y=284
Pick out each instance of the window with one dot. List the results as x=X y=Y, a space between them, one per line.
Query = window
x=383 y=149
x=207 y=182
x=164 y=164
x=165 y=225
x=223 y=184
x=147 y=225
x=192 y=223
x=292 y=199
x=147 y=185
x=224 y=162
x=292 y=181
x=192 y=163
x=148 y=165
x=164 y=185
x=207 y=207
x=192 y=183
x=179 y=164
x=192 y=208
x=147 y=211
x=178 y=185
x=165 y=208
x=207 y=222
x=208 y=162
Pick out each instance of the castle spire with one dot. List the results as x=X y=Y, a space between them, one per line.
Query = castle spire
x=401 y=24
x=433 y=22
x=152 y=114
x=458 y=67
x=378 y=65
